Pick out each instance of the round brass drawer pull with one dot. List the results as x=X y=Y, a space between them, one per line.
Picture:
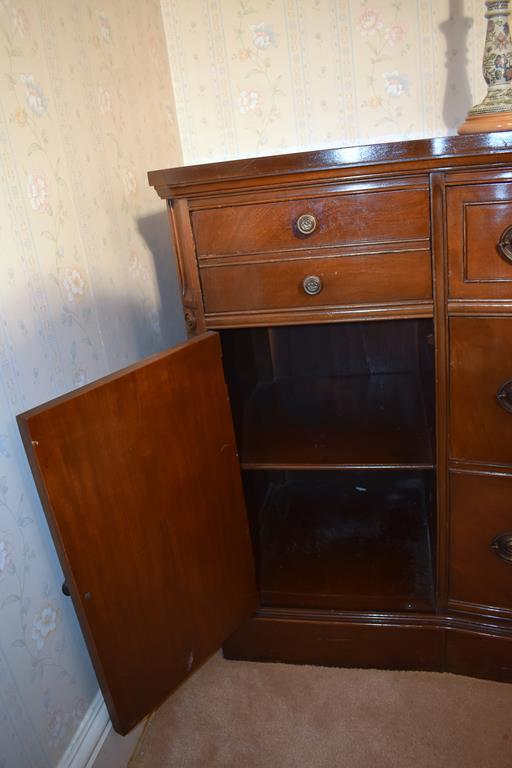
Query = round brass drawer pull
x=505 y=244
x=504 y=396
x=312 y=285
x=501 y=545
x=306 y=224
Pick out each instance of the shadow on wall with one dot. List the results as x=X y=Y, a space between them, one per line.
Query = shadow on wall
x=155 y=231
x=47 y=662
x=55 y=660
x=18 y=483
x=457 y=97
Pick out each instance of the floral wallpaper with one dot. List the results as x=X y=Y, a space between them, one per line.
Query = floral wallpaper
x=86 y=282
x=86 y=287
x=267 y=76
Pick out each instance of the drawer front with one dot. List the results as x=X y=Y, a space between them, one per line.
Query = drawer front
x=481 y=540
x=480 y=241
x=480 y=398
x=369 y=217
x=335 y=281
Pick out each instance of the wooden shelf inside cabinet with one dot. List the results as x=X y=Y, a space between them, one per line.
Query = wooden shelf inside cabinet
x=377 y=420
x=350 y=541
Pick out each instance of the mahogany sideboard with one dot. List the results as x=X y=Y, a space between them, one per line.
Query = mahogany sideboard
x=322 y=474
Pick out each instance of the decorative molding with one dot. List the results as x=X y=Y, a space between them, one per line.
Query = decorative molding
x=89 y=736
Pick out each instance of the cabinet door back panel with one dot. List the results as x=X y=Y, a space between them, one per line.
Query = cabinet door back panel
x=141 y=486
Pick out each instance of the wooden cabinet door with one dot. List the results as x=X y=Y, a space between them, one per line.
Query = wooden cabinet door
x=140 y=481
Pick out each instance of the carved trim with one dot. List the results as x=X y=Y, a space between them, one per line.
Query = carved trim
x=474 y=177
x=325 y=252
x=326 y=314
x=438 y=207
x=482 y=623
x=190 y=319
x=479 y=307
x=308 y=190
x=331 y=164
x=464 y=467
x=177 y=249
x=192 y=296
x=488 y=611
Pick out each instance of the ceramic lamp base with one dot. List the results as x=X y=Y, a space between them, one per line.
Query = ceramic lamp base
x=487 y=123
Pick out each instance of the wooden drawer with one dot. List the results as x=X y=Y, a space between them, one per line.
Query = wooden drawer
x=342 y=219
x=480 y=365
x=481 y=511
x=344 y=280
x=478 y=217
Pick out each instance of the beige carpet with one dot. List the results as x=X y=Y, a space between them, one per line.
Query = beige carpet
x=279 y=716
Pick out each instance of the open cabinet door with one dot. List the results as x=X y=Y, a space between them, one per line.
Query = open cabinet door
x=140 y=482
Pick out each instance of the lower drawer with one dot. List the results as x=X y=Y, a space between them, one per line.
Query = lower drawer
x=480 y=568
x=340 y=280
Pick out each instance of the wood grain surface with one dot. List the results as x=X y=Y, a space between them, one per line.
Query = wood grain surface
x=141 y=487
x=480 y=363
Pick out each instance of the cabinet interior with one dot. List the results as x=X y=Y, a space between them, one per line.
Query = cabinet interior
x=335 y=432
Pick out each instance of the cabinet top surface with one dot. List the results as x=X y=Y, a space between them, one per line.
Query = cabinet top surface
x=419 y=154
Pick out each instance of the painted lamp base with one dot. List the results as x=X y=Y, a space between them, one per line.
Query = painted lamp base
x=487 y=122
x=494 y=113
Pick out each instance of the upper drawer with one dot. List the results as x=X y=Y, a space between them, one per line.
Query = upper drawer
x=480 y=241
x=341 y=219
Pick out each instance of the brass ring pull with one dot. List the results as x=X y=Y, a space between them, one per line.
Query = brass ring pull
x=504 y=396
x=306 y=224
x=501 y=545
x=312 y=285
x=505 y=244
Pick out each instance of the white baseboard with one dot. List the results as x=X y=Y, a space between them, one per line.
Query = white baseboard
x=117 y=750
x=89 y=736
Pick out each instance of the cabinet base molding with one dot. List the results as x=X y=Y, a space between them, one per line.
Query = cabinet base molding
x=259 y=318
x=479 y=654
x=329 y=638
x=426 y=642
